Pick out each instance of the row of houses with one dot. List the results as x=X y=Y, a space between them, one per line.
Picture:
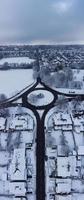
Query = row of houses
x=17 y=152
x=19 y=179
x=65 y=171
x=19 y=122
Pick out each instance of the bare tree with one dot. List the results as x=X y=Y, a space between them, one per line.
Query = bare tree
x=4 y=112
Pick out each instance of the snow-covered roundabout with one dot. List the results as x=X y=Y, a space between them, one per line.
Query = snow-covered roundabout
x=40 y=97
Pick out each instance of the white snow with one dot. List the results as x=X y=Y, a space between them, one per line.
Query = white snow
x=12 y=81
x=18 y=188
x=18 y=156
x=4 y=157
x=2 y=123
x=17 y=60
x=44 y=100
x=65 y=197
x=78 y=74
x=27 y=136
x=78 y=196
x=69 y=91
x=62 y=163
x=62 y=119
x=77 y=186
x=63 y=185
x=66 y=167
x=18 y=163
x=81 y=150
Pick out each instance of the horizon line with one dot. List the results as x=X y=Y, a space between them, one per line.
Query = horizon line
x=40 y=44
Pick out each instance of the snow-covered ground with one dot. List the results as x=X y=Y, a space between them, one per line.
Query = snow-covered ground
x=23 y=155
x=78 y=74
x=63 y=144
x=78 y=79
x=40 y=97
x=17 y=60
x=12 y=81
x=70 y=91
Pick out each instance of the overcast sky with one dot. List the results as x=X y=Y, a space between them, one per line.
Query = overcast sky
x=41 y=21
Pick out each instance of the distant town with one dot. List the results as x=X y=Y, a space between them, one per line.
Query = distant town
x=57 y=65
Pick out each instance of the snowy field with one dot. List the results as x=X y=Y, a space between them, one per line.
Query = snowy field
x=17 y=60
x=12 y=81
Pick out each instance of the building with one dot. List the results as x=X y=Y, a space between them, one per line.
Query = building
x=63 y=186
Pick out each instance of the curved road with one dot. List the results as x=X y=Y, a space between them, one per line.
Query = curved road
x=17 y=95
x=56 y=91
